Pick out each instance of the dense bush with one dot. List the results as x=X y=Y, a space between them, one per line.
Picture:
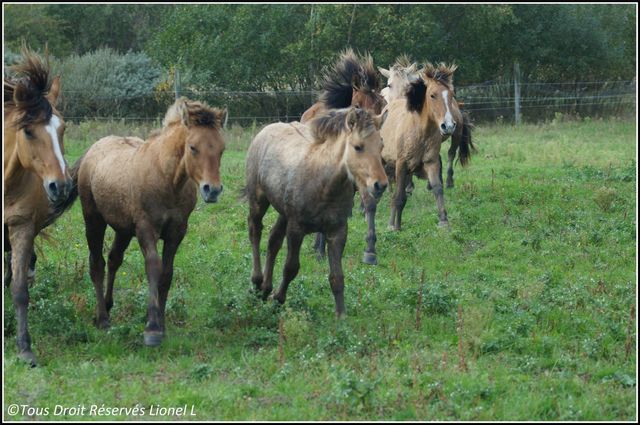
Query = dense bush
x=105 y=83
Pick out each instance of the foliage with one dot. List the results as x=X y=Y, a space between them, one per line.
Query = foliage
x=106 y=83
x=283 y=46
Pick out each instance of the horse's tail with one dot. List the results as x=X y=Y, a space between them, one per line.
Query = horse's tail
x=466 y=146
x=57 y=210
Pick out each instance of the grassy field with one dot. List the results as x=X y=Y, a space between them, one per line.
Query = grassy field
x=524 y=310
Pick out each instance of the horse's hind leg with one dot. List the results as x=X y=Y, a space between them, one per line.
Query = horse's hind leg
x=95 y=227
x=370 y=206
x=257 y=209
x=336 y=243
x=275 y=243
x=116 y=255
x=292 y=263
x=22 y=238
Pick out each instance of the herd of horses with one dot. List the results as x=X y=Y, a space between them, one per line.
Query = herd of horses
x=357 y=137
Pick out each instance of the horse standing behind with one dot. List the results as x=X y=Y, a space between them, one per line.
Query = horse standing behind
x=352 y=81
x=399 y=78
x=309 y=174
x=148 y=190
x=37 y=185
x=414 y=132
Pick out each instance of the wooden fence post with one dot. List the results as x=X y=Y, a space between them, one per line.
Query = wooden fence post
x=516 y=89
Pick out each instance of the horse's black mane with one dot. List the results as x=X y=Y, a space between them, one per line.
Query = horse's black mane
x=350 y=71
x=26 y=90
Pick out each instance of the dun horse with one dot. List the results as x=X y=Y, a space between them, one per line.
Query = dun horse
x=148 y=190
x=309 y=174
x=399 y=78
x=37 y=184
x=416 y=127
x=353 y=81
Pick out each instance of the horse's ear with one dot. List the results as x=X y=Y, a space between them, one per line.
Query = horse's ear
x=54 y=91
x=352 y=119
x=355 y=82
x=379 y=120
x=184 y=113
x=413 y=68
x=384 y=72
x=222 y=118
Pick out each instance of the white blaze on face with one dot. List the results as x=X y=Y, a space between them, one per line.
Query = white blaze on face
x=345 y=157
x=52 y=129
x=448 y=118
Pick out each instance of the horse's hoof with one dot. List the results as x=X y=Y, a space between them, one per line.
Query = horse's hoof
x=153 y=338
x=370 y=258
x=279 y=298
x=27 y=357
x=103 y=324
x=449 y=185
x=444 y=225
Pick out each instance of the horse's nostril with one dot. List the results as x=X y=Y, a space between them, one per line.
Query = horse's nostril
x=53 y=187
x=443 y=126
x=206 y=188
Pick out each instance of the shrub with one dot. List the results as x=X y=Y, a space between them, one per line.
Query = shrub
x=105 y=83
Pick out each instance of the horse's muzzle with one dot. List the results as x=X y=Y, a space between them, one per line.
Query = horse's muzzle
x=447 y=128
x=57 y=190
x=210 y=193
x=378 y=189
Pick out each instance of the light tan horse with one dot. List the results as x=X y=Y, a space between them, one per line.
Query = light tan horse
x=36 y=177
x=309 y=175
x=414 y=132
x=148 y=190
x=399 y=77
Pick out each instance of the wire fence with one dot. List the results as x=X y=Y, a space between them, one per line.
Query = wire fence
x=487 y=102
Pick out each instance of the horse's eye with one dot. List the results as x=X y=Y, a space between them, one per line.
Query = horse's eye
x=193 y=149
x=28 y=133
x=433 y=96
x=358 y=148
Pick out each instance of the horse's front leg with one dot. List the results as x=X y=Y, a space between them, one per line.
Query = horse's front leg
x=171 y=243
x=320 y=245
x=434 y=173
x=148 y=240
x=22 y=237
x=31 y=274
x=335 y=244
x=370 y=206
x=399 y=197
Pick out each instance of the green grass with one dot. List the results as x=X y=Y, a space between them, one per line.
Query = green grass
x=525 y=307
